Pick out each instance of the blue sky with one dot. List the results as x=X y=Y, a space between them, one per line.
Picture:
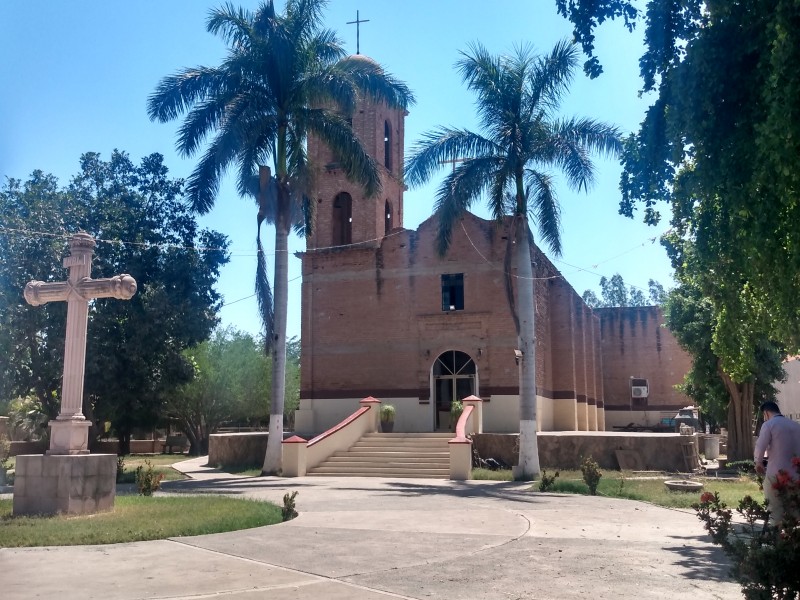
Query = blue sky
x=76 y=77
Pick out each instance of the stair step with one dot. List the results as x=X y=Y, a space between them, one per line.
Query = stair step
x=441 y=436
x=380 y=471
x=410 y=455
x=387 y=474
x=371 y=453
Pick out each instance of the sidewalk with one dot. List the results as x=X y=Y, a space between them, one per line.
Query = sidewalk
x=370 y=538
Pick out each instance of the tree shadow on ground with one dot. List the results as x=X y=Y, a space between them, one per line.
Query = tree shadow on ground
x=700 y=558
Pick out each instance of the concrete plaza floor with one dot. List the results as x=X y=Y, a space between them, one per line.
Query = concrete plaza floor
x=371 y=538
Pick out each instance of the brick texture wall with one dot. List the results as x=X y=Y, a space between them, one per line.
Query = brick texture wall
x=635 y=343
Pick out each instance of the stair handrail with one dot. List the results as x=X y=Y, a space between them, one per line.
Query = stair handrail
x=299 y=456
x=470 y=421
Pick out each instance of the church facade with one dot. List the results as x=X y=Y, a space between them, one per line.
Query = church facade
x=384 y=315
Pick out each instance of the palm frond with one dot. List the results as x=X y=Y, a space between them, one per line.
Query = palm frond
x=552 y=75
x=266 y=308
x=201 y=120
x=357 y=164
x=232 y=23
x=544 y=208
x=203 y=184
x=448 y=210
x=457 y=193
x=572 y=140
x=325 y=47
x=175 y=94
x=440 y=145
x=374 y=83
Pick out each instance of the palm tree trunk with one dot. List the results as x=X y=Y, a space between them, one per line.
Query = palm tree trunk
x=528 y=448
x=273 y=457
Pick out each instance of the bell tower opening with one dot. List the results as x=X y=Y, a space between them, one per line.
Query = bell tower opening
x=342 y=220
x=389 y=219
x=387 y=145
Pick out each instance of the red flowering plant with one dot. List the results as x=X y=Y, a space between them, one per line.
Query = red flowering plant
x=764 y=556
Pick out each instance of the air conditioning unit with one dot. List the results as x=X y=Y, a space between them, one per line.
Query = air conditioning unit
x=639 y=391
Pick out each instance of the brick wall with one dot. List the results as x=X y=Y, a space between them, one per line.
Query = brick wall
x=635 y=343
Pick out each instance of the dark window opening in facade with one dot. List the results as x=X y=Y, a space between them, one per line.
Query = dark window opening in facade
x=453 y=292
x=388 y=210
x=342 y=220
x=387 y=145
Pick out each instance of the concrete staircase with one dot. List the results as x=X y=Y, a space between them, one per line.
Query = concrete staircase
x=412 y=455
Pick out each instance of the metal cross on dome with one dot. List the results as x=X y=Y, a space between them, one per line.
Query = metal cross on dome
x=357 y=23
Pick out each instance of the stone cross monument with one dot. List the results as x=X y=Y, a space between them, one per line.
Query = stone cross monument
x=69 y=433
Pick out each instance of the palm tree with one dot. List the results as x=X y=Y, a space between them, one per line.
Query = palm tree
x=284 y=77
x=517 y=97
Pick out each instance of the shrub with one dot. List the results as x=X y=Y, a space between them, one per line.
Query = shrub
x=387 y=412
x=456 y=408
x=120 y=468
x=5 y=452
x=288 y=511
x=147 y=480
x=591 y=474
x=547 y=481
x=764 y=555
x=743 y=466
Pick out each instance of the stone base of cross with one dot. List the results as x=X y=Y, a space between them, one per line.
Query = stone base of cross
x=69 y=432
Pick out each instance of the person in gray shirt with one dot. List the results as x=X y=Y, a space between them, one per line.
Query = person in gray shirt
x=780 y=440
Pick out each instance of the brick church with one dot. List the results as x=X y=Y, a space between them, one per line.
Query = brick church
x=384 y=315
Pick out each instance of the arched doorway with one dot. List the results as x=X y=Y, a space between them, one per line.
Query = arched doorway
x=454 y=377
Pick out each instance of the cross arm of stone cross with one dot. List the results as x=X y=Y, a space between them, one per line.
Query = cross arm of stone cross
x=121 y=287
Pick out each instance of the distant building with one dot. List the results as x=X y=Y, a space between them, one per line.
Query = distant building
x=789 y=391
x=385 y=316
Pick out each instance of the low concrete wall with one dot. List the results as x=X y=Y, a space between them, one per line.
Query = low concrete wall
x=18 y=448
x=237 y=448
x=104 y=447
x=563 y=450
x=137 y=447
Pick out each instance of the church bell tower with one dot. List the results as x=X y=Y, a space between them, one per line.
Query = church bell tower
x=345 y=215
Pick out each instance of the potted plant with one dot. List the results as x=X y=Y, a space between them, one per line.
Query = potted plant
x=387 y=418
x=456 y=408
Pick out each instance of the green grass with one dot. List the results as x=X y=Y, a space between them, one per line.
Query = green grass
x=162 y=463
x=487 y=474
x=137 y=518
x=616 y=484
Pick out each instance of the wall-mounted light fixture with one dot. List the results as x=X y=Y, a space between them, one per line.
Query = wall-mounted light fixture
x=519 y=355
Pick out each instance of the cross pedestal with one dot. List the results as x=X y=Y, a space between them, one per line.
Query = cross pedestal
x=68 y=479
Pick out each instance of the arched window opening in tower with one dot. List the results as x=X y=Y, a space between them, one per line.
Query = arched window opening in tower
x=342 y=220
x=388 y=211
x=387 y=145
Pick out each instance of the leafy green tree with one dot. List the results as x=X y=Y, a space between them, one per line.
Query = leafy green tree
x=231 y=377
x=230 y=380
x=284 y=77
x=134 y=348
x=614 y=293
x=721 y=145
x=690 y=316
x=32 y=340
x=517 y=99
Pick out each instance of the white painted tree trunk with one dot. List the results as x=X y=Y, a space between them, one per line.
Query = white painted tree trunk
x=528 y=447
x=274 y=455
